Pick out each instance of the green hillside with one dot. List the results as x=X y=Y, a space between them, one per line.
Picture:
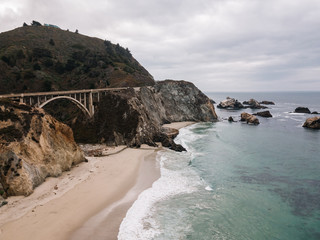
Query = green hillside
x=39 y=58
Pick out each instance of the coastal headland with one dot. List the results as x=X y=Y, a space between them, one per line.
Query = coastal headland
x=50 y=188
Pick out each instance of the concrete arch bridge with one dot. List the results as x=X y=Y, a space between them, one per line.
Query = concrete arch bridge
x=84 y=99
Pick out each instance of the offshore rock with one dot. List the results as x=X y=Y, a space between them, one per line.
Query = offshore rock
x=302 y=110
x=230 y=103
x=265 y=114
x=254 y=104
x=134 y=117
x=313 y=123
x=230 y=119
x=267 y=102
x=33 y=146
x=250 y=119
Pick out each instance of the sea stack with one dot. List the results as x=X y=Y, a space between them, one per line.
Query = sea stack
x=249 y=118
x=313 y=123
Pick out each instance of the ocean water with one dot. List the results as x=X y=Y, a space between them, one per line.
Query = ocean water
x=237 y=181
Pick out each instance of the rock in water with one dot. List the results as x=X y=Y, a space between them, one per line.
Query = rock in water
x=250 y=119
x=230 y=119
x=313 y=123
x=302 y=110
x=254 y=104
x=230 y=103
x=33 y=146
x=267 y=102
x=265 y=114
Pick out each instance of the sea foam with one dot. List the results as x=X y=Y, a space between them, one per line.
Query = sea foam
x=177 y=177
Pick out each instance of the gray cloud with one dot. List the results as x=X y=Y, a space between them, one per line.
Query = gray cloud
x=220 y=45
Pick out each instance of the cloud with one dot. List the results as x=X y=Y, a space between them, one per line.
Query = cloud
x=219 y=45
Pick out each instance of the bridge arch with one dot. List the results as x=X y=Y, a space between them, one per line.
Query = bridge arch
x=79 y=104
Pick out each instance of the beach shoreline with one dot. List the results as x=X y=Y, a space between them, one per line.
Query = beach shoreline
x=87 y=198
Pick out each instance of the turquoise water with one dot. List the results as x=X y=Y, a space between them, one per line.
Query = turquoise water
x=237 y=181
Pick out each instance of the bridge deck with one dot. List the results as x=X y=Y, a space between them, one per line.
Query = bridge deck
x=62 y=92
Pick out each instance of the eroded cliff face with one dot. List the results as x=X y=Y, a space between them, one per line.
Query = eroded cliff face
x=183 y=101
x=134 y=117
x=33 y=146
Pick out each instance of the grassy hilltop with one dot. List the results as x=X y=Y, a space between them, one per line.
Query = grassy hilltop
x=41 y=58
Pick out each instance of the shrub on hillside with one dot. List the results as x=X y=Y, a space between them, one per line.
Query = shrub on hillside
x=47 y=86
x=48 y=62
x=59 y=67
x=71 y=64
x=36 y=66
x=41 y=52
x=20 y=54
x=28 y=74
x=51 y=42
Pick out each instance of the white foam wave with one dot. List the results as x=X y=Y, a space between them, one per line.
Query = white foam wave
x=186 y=137
x=176 y=178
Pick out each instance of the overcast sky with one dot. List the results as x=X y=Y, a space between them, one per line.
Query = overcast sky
x=219 y=45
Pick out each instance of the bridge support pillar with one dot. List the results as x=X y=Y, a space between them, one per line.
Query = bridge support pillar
x=91 y=107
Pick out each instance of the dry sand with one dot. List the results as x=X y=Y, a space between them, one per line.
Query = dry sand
x=89 y=202
x=178 y=125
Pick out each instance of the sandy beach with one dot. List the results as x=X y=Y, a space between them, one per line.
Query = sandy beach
x=88 y=202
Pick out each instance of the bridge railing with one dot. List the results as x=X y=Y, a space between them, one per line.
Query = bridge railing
x=12 y=95
x=85 y=98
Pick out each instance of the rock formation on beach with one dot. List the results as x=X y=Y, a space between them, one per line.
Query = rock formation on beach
x=249 y=118
x=230 y=103
x=265 y=114
x=33 y=146
x=313 y=123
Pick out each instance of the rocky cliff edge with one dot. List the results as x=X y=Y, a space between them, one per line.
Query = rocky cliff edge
x=134 y=117
x=33 y=146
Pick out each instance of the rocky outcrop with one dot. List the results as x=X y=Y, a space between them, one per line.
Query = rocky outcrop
x=313 y=123
x=315 y=112
x=254 y=104
x=267 y=102
x=166 y=137
x=230 y=103
x=133 y=117
x=250 y=119
x=230 y=119
x=265 y=114
x=182 y=101
x=33 y=146
x=302 y=110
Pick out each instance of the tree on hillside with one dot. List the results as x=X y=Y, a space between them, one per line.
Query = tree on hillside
x=35 y=23
x=51 y=42
x=25 y=25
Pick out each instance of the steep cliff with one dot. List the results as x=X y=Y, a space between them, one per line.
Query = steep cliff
x=133 y=117
x=33 y=146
